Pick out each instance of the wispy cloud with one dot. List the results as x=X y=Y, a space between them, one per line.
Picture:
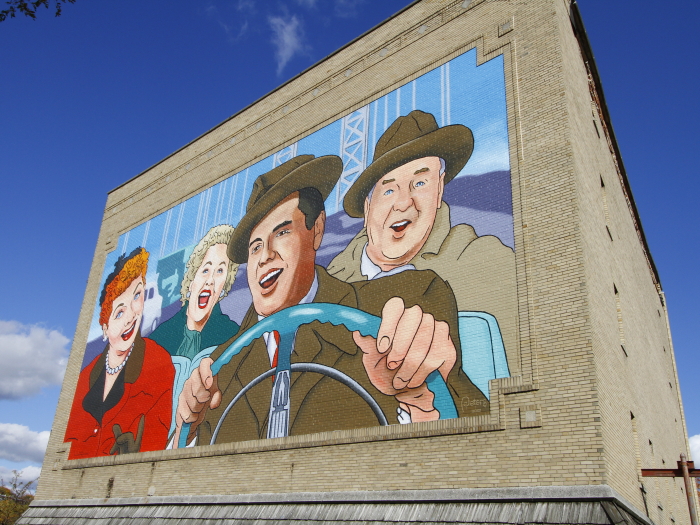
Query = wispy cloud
x=695 y=447
x=18 y=443
x=307 y=3
x=347 y=8
x=32 y=358
x=246 y=5
x=234 y=31
x=287 y=37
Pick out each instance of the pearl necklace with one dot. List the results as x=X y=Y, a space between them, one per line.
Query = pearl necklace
x=117 y=369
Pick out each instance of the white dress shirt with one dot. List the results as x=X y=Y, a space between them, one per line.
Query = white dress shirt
x=372 y=271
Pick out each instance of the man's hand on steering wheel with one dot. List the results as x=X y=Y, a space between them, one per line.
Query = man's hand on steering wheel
x=409 y=346
x=199 y=393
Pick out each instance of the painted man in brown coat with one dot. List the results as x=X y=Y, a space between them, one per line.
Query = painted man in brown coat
x=278 y=238
x=407 y=224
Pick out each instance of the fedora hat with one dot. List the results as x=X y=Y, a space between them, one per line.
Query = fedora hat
x=414 y=136
x=303 y=171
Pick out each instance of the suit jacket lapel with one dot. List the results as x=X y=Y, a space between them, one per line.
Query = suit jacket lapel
x=131 y=372
x=322 y=344
x=251 y=362
x=254 y=363
x=314 y=343
x=111 y=414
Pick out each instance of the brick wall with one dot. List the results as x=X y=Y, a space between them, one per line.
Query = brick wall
x=564 y=419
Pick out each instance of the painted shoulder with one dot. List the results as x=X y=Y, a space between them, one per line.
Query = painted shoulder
x=346 y=265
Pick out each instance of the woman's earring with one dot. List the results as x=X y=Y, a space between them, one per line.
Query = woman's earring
x=188 y=295
x=222 y=294
x=104 y=337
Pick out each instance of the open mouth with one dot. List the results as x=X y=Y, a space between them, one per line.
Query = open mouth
x=400 y=226
x=203 y=299
x=126 y=335
x=270 y=278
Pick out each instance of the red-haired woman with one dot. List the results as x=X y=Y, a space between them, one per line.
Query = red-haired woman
x=123 y=402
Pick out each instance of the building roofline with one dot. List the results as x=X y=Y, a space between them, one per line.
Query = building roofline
x=587 y=51
x=239 y=112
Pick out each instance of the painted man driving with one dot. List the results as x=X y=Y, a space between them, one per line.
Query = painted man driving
x=278 y=239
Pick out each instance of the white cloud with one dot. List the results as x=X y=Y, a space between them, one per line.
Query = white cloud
x=18 y=443
x=287 y=37
x=32 y=358
x=695 y=447
x=347 y=8
x=26 y=474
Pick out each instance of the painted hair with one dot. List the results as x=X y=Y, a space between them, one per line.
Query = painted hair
x=126 y=270
x=311 y=205
x=217 y=235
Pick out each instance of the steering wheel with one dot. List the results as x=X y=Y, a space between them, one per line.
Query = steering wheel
x=286 y=322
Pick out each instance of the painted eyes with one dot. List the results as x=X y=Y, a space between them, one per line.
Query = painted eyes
x=220 y=271
x=420 y=183
x=254 y=249
x=388 y=192
x=119 y=315
x=136 y=297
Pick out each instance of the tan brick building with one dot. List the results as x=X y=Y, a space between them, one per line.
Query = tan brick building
x=591 y=395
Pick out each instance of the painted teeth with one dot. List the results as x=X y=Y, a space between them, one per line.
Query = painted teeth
x=270 y=276
x=128 y=332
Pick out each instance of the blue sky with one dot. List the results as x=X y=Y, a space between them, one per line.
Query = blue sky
x=98 y=95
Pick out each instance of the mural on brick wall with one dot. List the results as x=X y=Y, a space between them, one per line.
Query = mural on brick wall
x=362 y=276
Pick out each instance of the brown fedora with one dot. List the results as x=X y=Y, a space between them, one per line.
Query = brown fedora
x=303 y=171
x=414 y=136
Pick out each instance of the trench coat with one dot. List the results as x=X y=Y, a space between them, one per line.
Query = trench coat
x=480 y=271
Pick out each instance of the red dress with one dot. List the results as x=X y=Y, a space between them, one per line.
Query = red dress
x=143 y=390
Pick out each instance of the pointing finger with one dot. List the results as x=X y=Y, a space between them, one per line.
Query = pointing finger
x=391 y=315
x=405 y=333
x=416 y=356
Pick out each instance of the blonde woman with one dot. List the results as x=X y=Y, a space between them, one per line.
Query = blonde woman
x=200 y=323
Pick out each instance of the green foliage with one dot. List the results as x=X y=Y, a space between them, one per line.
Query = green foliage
x=29 y=7
x=15 y=497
